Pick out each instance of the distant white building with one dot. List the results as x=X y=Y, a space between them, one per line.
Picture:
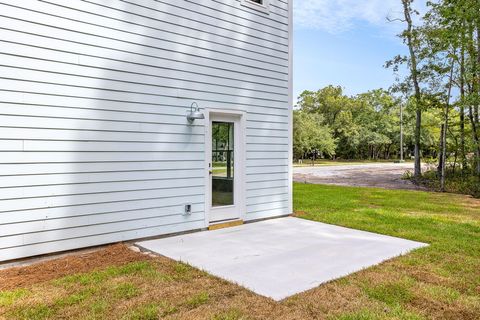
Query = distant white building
x=95 y=144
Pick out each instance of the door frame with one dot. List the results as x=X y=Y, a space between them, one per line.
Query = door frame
x=240 y=173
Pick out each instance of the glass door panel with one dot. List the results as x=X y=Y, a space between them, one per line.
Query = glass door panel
x=222 y=163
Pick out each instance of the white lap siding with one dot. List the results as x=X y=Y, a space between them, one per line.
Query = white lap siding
x=94 y=143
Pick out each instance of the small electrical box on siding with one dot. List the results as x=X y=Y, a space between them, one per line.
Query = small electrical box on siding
x=188 y=209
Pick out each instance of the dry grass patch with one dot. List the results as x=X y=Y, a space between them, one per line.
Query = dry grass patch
x=24 y=276
x=441 y=281
x=149 y=288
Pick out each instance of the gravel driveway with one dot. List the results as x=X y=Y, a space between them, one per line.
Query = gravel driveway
x=381 y=175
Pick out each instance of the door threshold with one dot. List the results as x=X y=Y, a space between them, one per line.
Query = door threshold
x=225 y=224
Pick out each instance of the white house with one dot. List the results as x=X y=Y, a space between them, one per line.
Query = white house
x=95 y=144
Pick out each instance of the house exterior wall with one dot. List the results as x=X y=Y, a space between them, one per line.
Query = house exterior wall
x=95 y=147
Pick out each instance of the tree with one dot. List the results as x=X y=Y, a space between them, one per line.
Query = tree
x=455 y=30
x=335 y=108
x=379 y=122
x=364 y=126
x=411 y=38
x=309 y=134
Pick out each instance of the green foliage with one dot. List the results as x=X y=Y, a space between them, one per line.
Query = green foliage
x=441 y=76
x=365 y=126
x=456 y=182
x=438 y=84
x=310 y=133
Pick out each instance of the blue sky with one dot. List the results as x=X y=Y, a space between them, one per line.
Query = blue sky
x=346 y=43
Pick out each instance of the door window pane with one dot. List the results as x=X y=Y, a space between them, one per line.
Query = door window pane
x=222 y=163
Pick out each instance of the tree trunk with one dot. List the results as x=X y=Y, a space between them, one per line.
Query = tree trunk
x=401 y=133
x=477 y=73
x=388 y=151
x=455 y=162
x=417 y=152
x=476 y=138
x=474 y=88
x=440 y=152
x=445 y=127
x=463 y=155
x=418 y=96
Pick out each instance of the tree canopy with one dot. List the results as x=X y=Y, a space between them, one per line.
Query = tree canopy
x=365 y=126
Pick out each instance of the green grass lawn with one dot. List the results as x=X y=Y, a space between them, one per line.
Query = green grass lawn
x=444 y=276
x=441 y=281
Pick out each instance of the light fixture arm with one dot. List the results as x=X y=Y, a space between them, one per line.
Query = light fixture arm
x=191 y=107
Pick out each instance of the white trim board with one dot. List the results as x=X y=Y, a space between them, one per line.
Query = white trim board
x=240 y=163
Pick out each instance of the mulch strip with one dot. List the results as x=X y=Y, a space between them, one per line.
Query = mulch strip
x=114 y=255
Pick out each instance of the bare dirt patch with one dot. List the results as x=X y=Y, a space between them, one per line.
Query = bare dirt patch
x=118 y=254
x=380 y=175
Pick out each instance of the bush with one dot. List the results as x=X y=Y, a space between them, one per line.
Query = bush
x=458 y=182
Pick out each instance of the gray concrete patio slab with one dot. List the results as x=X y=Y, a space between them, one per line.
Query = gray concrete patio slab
x=281 y=257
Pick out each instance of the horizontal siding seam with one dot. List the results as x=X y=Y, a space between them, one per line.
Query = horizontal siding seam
x=128 y=82
x=90 y=172
x=105 y=141
x=93 y=214
x=107 y=202
x=98 y=234
x=217 y=26
x=135 y=63
x=163 y=30
x=139 y=93
x=92 y=193
x=256 y=211
x=241 y=9
x=128 y=72
x=229 y=21
x=184 y=107
x=92 y=182
x=98 y=224
x=155 y=47
x=140 y=54
x=256 y=12
x=268 y=195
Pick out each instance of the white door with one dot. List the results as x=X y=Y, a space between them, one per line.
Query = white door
x=225 y=167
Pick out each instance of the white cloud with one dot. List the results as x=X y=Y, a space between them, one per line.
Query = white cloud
x=336 y=16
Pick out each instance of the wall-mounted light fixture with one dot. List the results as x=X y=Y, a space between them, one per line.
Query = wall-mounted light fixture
x=194 y=113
